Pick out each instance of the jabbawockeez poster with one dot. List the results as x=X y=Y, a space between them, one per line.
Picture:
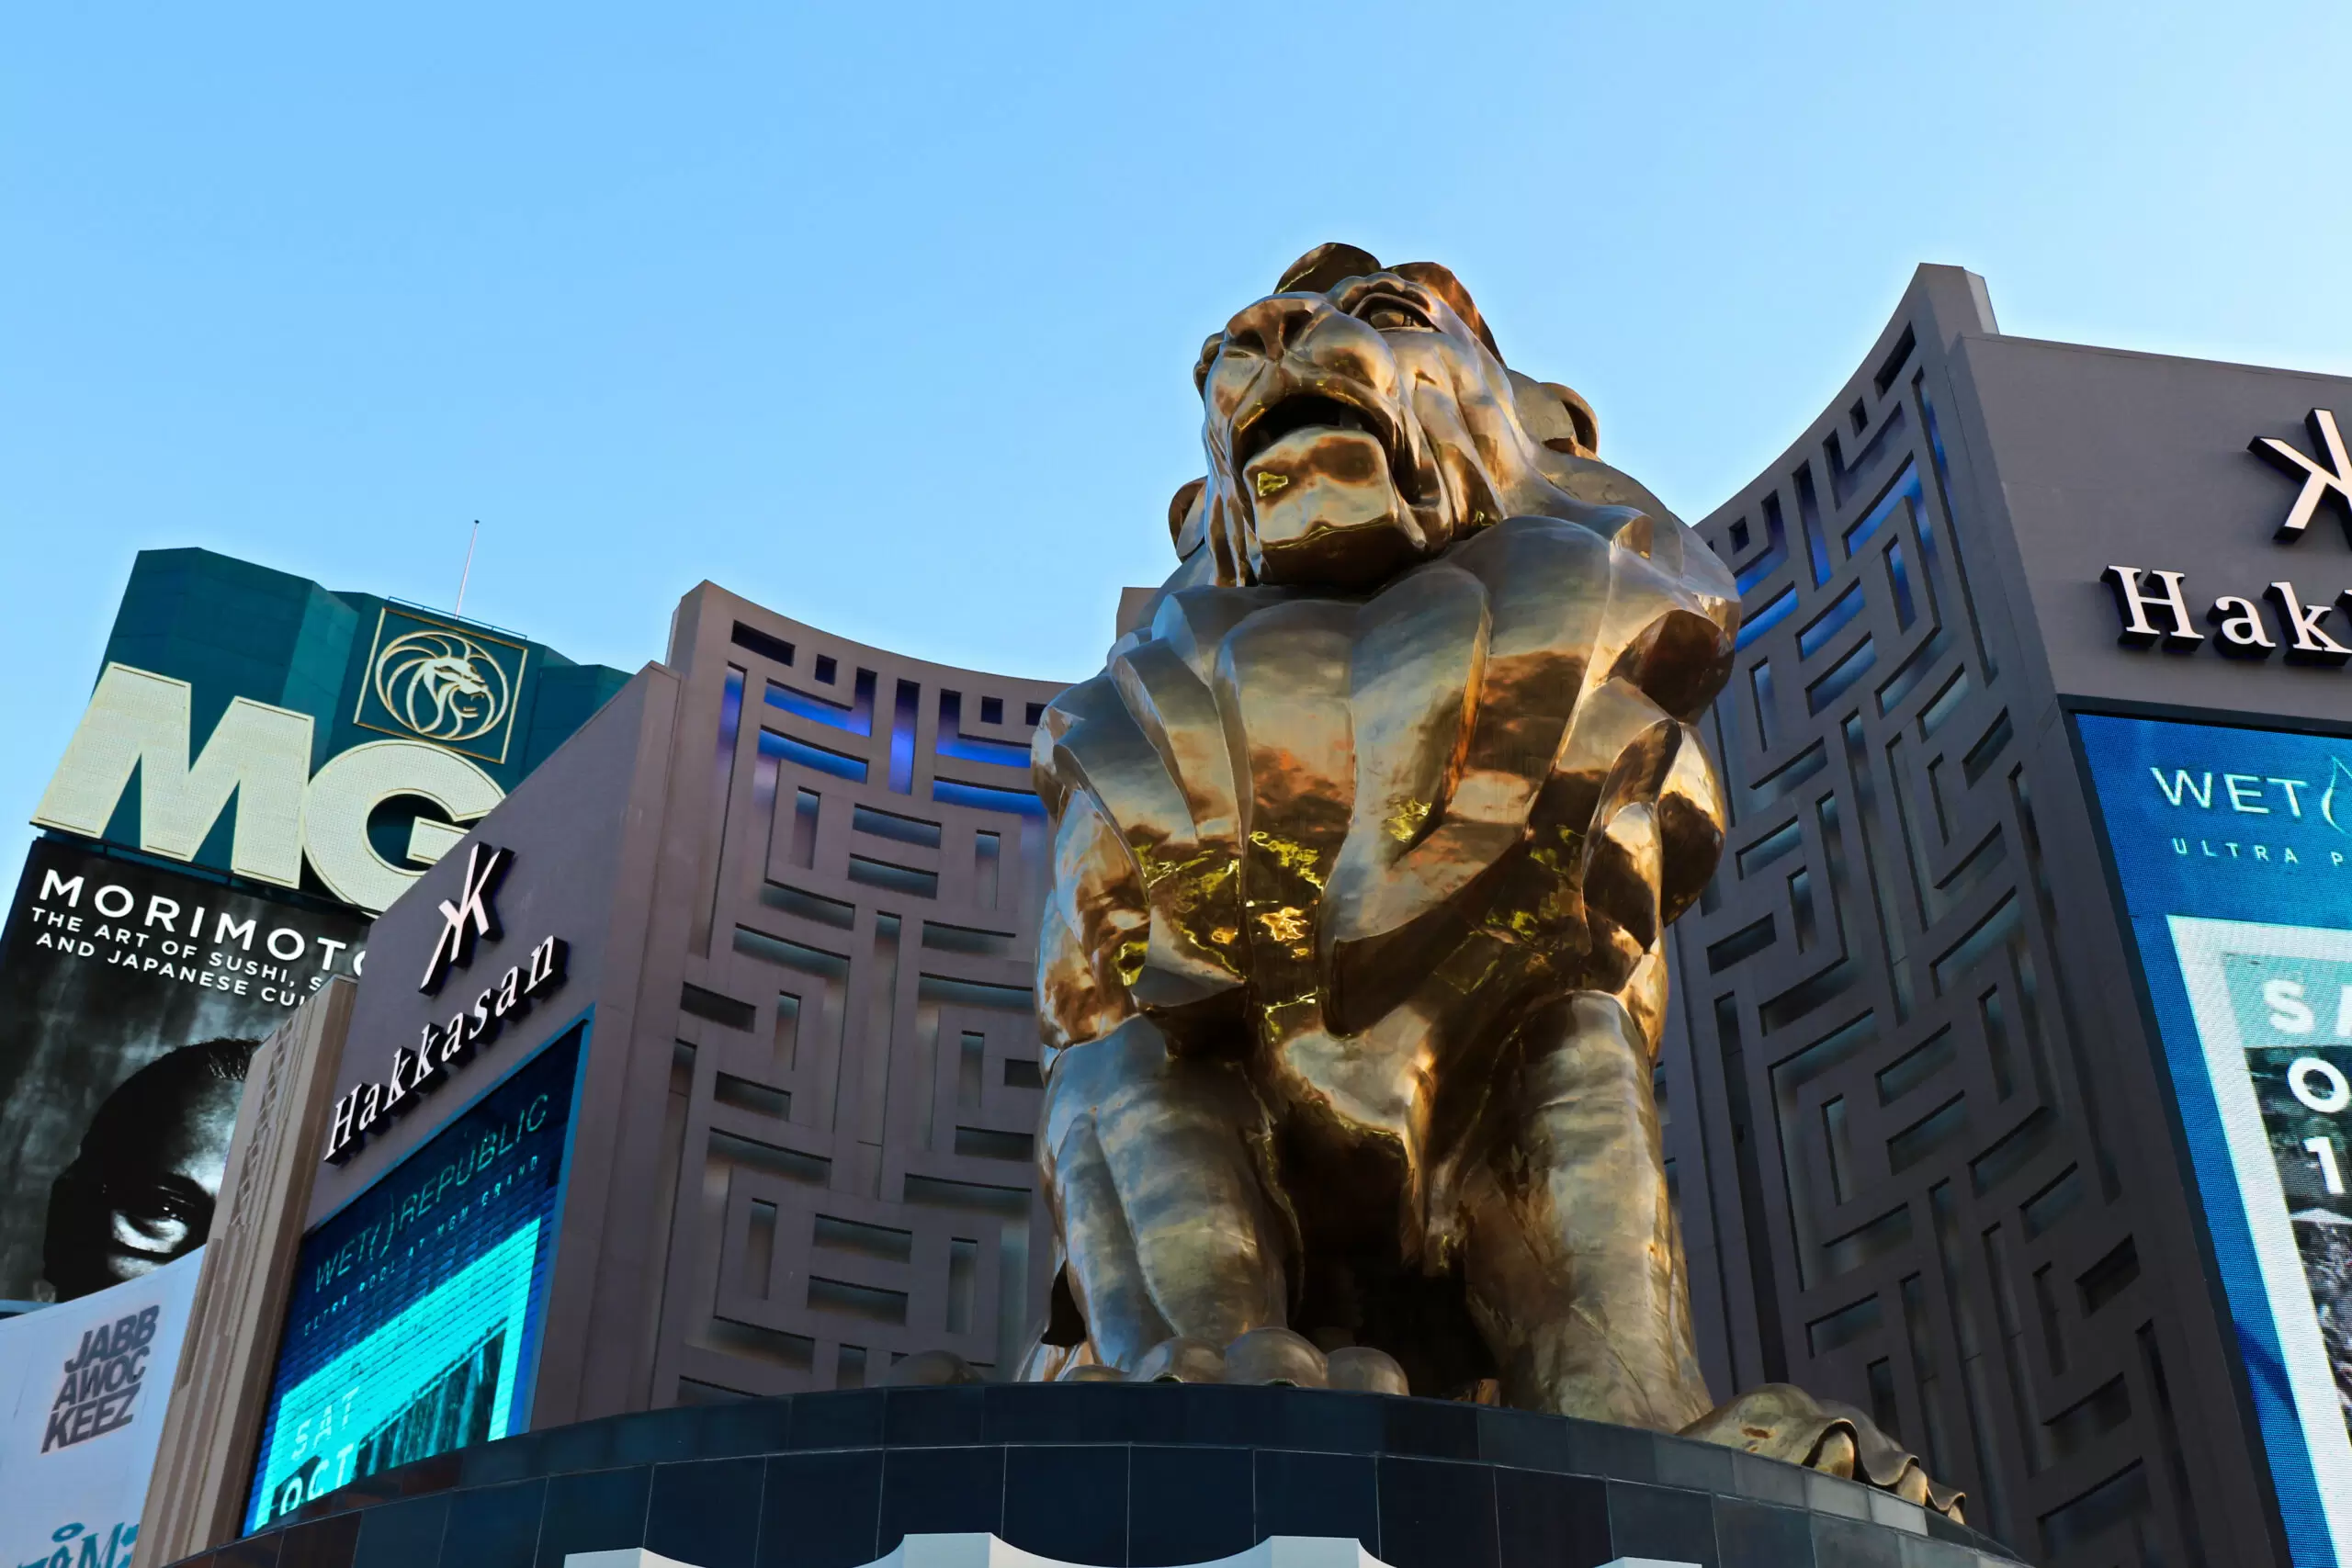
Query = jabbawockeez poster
x=132 y=998
x=84 y=1384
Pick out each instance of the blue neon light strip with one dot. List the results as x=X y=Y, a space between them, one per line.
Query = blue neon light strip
x=1018 y=801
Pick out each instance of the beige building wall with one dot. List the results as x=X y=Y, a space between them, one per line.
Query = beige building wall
x=800 y=880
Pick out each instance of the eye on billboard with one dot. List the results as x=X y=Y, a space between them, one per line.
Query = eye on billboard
x=2233 y=849
x=132 y=998
x=414 y=1323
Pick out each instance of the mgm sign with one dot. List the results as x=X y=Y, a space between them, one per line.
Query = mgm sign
x=138 y=725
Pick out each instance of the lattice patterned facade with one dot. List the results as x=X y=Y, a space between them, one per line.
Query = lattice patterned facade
x=855 y=1083
x=1904 y=1178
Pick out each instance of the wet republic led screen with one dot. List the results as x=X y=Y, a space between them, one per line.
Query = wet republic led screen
x=417 y=1307
x=2234 y=848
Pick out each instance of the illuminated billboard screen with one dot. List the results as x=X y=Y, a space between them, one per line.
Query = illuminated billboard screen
x=417 y=1307
x=2234 y=851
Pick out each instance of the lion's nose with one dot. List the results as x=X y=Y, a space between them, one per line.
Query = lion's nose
x=1275 y=322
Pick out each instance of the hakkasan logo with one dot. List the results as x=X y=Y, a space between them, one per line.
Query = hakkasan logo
x=451 y=686
x=2155 y=608
x=467 y=920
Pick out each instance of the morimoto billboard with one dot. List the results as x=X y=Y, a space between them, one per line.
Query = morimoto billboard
x=305 y=755
x=131 y=997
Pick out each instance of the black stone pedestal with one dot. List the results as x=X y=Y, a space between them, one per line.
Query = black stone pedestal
x=1105 y=1473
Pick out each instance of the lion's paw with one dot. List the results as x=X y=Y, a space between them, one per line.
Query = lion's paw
x=932 y=1368
x=1780 y=1421
x=1270 y=1356
x=1182 y=1360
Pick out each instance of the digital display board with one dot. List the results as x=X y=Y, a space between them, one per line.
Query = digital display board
x=2233 y=848
x=417 y=1307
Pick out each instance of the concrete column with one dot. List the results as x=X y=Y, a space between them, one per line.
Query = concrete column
x=204 y=1465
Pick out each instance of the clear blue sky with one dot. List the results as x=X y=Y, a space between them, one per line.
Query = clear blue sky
x=883 y=316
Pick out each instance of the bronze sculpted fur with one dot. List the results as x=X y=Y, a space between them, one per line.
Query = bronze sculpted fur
x=1365 y=847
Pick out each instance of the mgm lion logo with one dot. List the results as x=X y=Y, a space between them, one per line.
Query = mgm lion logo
x=1354 y=969
x=442 y=685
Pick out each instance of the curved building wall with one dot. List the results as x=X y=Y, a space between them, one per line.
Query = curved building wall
x=855 y=1079
x=778 y=899
x=1917 y=1133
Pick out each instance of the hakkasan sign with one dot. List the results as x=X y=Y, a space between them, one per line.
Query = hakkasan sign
x=443 y=1048
x=2155 y=604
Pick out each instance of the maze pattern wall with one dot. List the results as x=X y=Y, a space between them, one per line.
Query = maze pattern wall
x=1883 y=1088
x=855 y=1084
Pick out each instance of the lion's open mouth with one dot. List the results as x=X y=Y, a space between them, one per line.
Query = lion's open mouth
x=1306 y=410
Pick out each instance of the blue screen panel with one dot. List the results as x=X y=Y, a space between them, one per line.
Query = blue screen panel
x=2234 y=851
x=417 y=1307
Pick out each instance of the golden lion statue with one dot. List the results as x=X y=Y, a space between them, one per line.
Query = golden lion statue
x=1352 y=970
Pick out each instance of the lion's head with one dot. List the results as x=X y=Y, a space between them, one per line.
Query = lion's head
x=436 y=682
x=1358 y=419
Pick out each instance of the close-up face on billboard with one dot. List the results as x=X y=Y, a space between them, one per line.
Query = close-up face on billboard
x=417 y=1308
x=2233 y=848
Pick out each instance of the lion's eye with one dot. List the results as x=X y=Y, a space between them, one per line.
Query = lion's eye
x=1208 y=357
x=1387 y=313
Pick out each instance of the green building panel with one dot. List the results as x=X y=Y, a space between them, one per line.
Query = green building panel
x=231 y=629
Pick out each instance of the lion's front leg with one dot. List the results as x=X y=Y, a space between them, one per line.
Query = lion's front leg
x=1154 y=1168
x=1575 y=1263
